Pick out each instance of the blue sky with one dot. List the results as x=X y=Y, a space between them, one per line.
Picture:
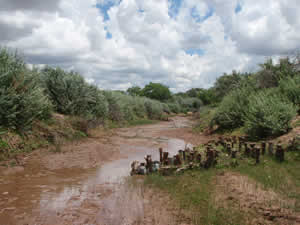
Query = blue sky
x=104 y=7
x=116 y=44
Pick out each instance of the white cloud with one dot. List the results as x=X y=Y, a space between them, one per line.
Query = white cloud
x=141 y=42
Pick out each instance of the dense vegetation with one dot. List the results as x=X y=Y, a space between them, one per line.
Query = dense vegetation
x=21 y=98
x=263 y=103
x=27 y=95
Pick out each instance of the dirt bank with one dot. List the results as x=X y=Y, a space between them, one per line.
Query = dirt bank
x=85 y=183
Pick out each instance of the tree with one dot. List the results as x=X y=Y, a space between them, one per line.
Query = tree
x=226 y=83
x=207 y=96
x=193 y=93
x=134 y=91
x=157 y=91
x=270 y=74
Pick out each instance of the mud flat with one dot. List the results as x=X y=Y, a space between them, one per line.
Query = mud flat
x=86 y=183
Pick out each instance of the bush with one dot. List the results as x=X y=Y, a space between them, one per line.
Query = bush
x=232 y=109
x=270 y=73
x=21 y=98
x=114 y=109
x=139 y=107
x=154 y=109
x=268 y=114
x=290 y=87
x=71 y=95
x=166 y=108
x=191 y=104
x=174 y=107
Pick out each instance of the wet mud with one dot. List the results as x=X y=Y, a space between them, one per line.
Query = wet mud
x=89 y=182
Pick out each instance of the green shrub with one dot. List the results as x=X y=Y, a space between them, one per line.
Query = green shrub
x=139 y=107
x=21 y=98
x=270 y=74
x=174 y=107
x=124 y=107
x=166 y=108
x=191 y=104
x=268 y=114
x=71 y=95
x=114 y=109
x=232 y=109
x=154 y=109
x=290 y=87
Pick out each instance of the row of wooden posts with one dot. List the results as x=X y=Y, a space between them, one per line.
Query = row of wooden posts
x=232 y=146
x=187 y=156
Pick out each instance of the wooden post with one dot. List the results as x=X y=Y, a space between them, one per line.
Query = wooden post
x=240 y=146
x=170 y=161
x=257 y=155
x=184 y=156
x=160 y=155
x=233 y=154
x=198 y=158
x=247 y=150
x=210 y=159
x=149 y=163
x=180 y=152
x=165 y=157
x=279 y=153
x=270 y=149
x=252 y=150
x=228 y=149
x=263 y=148
x=192 y=155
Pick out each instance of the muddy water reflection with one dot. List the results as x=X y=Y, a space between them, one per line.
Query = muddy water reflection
x=77 y=196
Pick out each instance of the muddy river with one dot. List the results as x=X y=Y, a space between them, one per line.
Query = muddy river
x=89 y=184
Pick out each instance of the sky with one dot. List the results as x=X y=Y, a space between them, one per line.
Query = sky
x=117 y=44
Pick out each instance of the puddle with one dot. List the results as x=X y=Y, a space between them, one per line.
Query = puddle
x=83 y=196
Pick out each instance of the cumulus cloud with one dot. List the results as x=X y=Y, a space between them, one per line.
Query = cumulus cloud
x=119 y=43
x=12 y=5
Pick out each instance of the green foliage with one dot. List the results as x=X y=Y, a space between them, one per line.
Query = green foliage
x=193 y=93
x=207 y=96
x=174 y=107
x=231 y=111
x=268 y=114
x=180 y=103
x=124 y=107
x=270 y=74
x=21 y=98
x=157 y=91
x=262 y=113
x=134 y=91
x=154 y=109
x=192 y=104
x=226 y=83
x=71 y=95
x=204 y=116
x=114 y=109
x=290 y=87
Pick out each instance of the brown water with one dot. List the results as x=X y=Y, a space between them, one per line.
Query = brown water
x=100 y=195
